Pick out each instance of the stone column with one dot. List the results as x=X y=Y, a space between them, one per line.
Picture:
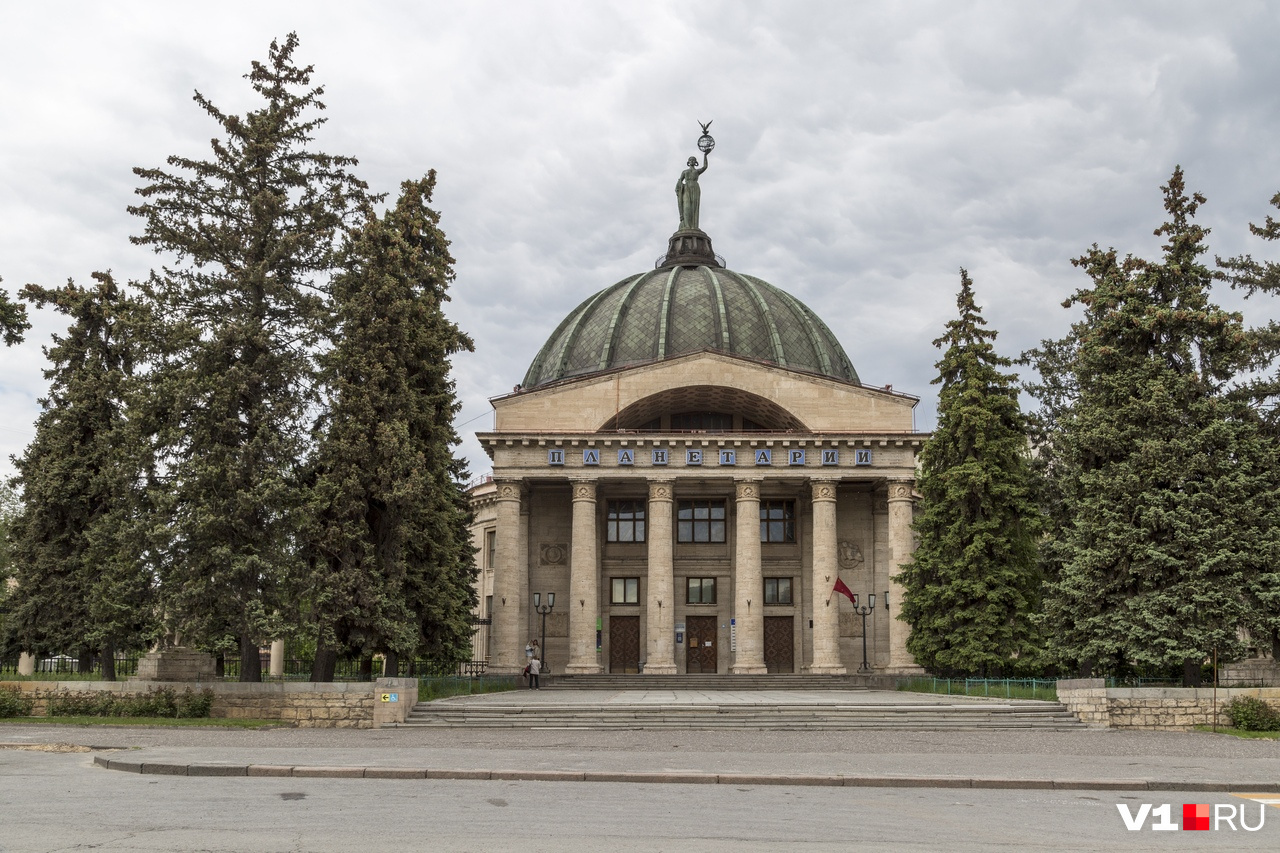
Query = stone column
x=584 y=582
x=748 y=581
x=826 y=611
x=510 y=584
x=900 y=548
x=277 y=659
x=660 y=603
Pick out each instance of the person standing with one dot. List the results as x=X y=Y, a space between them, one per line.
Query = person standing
x=535 y=667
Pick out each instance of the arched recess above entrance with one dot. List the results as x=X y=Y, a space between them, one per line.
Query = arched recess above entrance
x=750 y=410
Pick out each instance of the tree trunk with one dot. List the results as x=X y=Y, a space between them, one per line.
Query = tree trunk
x=391 y=665
x=1191 y=672
x=366 y=668
x=108 y=661
x=1085 y=670
x=220 y=665
x=85 y=664
x=325 y=664
x=250 y=661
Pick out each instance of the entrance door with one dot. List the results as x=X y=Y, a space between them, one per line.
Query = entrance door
x=779 y=644
x=700 y=644
x=624 y=644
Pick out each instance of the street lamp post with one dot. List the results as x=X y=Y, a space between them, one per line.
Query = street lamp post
x=864 y=612
x=544 y=610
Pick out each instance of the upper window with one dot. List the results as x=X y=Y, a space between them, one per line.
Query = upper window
x=700 y=521
x=713 y=421
x=777 y=590
x=626 y=521
x=625 y=591
x=491 y=547
x=700 y=590
x=777 y=521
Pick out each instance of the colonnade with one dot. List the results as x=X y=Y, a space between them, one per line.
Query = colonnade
x=511 y=578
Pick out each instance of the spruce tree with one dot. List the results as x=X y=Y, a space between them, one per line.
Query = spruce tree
x=1165 y=479
x=76 y=546
x=253 y=234
x=1262 y=394
x=13 y=319
x=392 y=567
x=973 y=585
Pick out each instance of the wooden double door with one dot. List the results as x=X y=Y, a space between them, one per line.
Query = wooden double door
x=624 y=644
x=701 y=644
x=779 y=644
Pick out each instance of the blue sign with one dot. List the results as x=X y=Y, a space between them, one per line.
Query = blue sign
x=693 y=457
x=862 y=457
x=555 y=457
x=626 y=457
x=795 y=457
x=831 y=457
x=591 y=457
x=728 y=457
x=659 y=457
x=764 y=457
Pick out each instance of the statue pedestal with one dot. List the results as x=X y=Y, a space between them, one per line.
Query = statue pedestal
x=176 y=664
x=690 y=248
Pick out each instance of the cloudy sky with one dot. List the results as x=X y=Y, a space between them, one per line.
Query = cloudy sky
x=865 y=151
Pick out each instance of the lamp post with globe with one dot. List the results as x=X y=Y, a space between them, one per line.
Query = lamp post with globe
x=544 y=609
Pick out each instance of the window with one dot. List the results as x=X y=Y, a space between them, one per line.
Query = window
x=490 y=547
x=777 y=590
x=702 y=421
x=700 y=521
x=777 y=521
x=625 y=591
x=701 y=590
x=626 y=521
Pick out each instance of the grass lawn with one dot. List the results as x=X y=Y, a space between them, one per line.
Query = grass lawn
x=171 y=722
x=1225 y=730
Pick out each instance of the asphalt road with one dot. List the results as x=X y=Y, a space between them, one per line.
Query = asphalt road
x=54 y=802
x=61 y=801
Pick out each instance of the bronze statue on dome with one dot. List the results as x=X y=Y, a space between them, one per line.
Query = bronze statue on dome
x=688 y=193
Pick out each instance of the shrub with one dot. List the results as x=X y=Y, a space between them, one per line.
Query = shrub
x=13 y=704
x=1252 y=714
x=157 y=703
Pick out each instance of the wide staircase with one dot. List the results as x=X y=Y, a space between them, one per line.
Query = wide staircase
x=843 y=703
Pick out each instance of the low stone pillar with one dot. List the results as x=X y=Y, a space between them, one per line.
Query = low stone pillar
x=277 y=659
x=1087 y=699
x=176 y=664
x=393 y=700
x=26 y=664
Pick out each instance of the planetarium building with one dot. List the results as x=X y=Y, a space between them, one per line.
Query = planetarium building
x=688 y=468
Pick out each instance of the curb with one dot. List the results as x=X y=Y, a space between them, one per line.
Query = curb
x=161 y=768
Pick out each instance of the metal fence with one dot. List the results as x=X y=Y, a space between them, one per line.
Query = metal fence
x=1009 y=688
x=126 y=665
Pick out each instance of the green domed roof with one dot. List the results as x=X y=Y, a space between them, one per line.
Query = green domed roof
x=685 y=309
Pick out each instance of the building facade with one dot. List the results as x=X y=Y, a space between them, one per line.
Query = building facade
x=687 y=470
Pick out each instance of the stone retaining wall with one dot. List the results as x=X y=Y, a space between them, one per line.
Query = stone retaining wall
x=1168 y=708
x=303 y=704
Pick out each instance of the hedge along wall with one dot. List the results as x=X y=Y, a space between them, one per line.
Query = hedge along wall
x=356 y=705
x=1168 y=708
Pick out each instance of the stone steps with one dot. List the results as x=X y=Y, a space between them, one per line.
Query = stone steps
x=788 y=716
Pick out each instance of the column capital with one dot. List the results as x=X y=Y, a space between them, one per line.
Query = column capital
x=747 y=490
x=583 y=490
x=823 y=490
x=662 y=489
x=900 y=490
x=509 y=490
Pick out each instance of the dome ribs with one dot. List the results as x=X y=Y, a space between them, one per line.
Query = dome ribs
x=615 y=322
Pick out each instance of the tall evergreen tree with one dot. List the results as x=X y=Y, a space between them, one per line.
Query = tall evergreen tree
x=1164 y=478
x=13 y=319
x=973 y=585
x=1262 y=393
x=393 y=566
x=254 y=233
x=81 y=579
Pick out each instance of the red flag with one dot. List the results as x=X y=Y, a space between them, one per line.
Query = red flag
x=843 y=590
